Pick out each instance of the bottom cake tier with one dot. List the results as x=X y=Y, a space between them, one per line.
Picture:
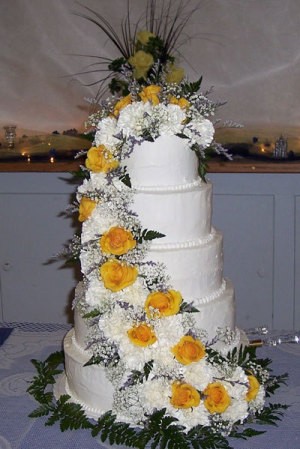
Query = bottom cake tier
x=89 y=386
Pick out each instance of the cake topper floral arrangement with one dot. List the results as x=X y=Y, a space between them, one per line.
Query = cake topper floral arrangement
x=173 y=386
x=151 y=96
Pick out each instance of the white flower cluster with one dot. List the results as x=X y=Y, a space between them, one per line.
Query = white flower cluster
x=140 y=119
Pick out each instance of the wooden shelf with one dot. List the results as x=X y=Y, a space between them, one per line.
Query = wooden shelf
x=214 y=166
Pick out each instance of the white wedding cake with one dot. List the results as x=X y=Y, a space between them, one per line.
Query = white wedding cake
x=167 y=195
x=154 y=354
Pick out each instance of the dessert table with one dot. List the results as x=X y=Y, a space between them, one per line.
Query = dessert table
x=21 y=342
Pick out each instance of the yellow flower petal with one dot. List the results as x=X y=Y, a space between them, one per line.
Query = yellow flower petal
x=117 y=275
x=184 y=395
x=142 y=335
x=188 y=350
x=117 y=241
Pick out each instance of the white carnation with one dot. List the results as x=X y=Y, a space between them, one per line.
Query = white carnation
x=191 y=417
x=132 y=118
x=237 y=385
x=170 y=119
x=105 y=135
x=198 y=374
x=155 y=394
x=200 y=131
x=96 y=182
x=96 y=293
x=99 y=222
x=135 y=294
x=237 y=411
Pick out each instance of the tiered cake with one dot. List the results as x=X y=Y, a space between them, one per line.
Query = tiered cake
x=154 y=351
x=168 y=196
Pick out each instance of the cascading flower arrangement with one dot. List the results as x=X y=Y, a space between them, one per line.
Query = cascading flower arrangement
x=174 y=387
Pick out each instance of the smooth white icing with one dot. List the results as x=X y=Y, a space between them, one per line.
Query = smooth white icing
x=167 y=161
x=195 y=270
x=180 y=215
x=87 y=384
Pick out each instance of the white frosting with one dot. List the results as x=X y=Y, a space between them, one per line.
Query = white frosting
x=165 y=162
x=87 y=384
x=196 y=270
x=181 y=215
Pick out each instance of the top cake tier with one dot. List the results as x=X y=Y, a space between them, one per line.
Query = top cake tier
x=165 y=162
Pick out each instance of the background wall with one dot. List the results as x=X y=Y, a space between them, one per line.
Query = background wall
x=258 y=214
x=247 y=49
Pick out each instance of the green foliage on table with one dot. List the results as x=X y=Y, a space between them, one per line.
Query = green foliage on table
x=159 y=430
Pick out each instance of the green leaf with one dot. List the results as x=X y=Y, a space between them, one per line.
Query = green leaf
x=246 y=433
x=94 y=360
x=116 y=64
x=182 y=136
x=43 y=410
x=126 y=179
x=190 y=88
x=187 y=308
x=150 y=235
x=92 y=314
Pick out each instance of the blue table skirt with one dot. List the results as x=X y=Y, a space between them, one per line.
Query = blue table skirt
x=29 y=340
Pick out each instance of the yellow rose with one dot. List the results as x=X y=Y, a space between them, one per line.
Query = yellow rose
x=99 y=159
x=117 y=275
x=184 y=395
x=86 y=207
x=253 y=388
x=141 y=62
x=142 y=335
x=165 y=303
x=183 y=103
x=117 y=241
x=150 y=93
x=217 y=400
x=175 y=75
x=188 y=350
x=122 y=103
x=144 y=36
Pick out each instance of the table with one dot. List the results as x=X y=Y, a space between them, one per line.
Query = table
x=32 y=340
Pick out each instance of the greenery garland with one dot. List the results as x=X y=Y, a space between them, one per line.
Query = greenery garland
x=160 y=430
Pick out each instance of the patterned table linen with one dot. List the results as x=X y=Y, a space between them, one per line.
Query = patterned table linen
x=29 y=340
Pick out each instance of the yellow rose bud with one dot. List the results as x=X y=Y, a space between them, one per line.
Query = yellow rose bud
x=165 y=304
x=175 y=75
x=144 y=36
x=117 y=275
x=217 y=400
x=86 y=207
x=117 y=241
x=121 y=104
x=184 y=395
x=141 y=62
x=99 y=159
x=188 y=350
x=142 y=335
x=253 y=388
x=150 y=93
x=183 y=103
